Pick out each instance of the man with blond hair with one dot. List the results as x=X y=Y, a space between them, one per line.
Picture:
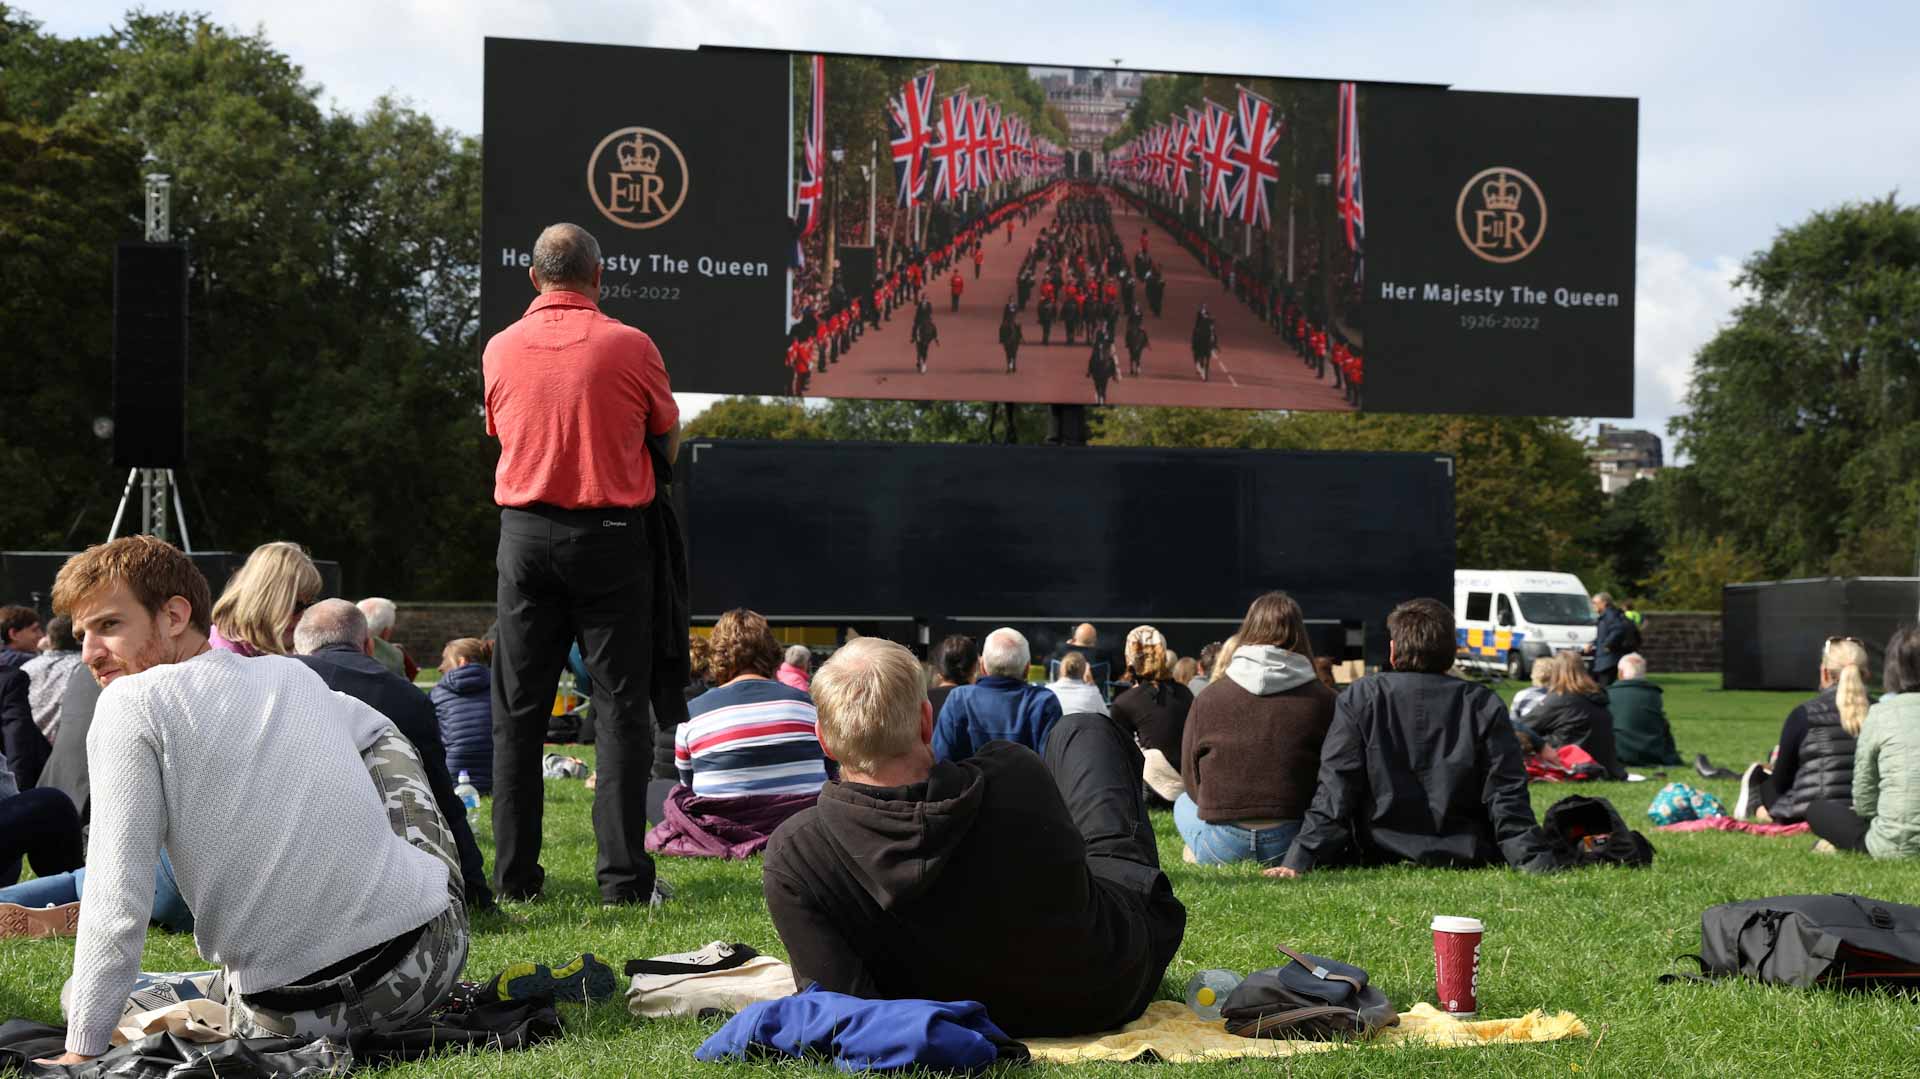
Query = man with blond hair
x=323 y=920
x=1032 y=886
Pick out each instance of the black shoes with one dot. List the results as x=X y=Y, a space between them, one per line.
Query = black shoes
x=1707 y=770
x=581 y=979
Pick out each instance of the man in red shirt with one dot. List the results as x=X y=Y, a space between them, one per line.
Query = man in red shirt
x=573 y=397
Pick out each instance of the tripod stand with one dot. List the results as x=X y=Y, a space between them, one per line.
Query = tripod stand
x=156 y=484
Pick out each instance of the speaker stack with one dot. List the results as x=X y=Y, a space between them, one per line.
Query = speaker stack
x=150 y=355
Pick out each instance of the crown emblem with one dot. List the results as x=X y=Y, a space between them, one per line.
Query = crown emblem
x=639 y=155
x=1501 y=193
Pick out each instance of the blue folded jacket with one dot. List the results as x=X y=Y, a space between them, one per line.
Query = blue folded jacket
x=865 y=1035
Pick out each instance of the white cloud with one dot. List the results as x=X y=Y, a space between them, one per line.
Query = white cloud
x=1679 y=305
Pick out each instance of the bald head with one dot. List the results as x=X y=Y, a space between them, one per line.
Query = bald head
x=330 y=621
x=1084 y=634
x=566 y=256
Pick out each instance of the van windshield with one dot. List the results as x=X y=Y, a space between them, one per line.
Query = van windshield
x=1555 y=608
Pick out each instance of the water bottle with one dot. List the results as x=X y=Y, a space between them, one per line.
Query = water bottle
x=468 y=794
x=1207 y=991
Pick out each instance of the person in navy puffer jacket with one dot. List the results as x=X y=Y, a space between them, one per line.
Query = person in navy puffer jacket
x=463 y=701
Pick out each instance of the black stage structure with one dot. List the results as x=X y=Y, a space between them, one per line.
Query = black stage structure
x=913 y=542
x=1772 y=631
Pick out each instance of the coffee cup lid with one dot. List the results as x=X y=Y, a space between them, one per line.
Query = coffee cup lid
x=1446 y=923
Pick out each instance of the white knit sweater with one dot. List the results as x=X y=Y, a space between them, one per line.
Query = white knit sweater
x=248 y=770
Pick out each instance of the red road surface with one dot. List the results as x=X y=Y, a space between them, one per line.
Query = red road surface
x=1255 y=368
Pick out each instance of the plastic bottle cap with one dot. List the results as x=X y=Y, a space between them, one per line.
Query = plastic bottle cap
x=1205 y=995
x=1444 y=923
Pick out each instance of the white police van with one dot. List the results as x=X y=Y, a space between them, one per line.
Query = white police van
x=1506 y=619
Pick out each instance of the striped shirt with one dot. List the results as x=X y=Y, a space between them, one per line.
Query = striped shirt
x=754 y=736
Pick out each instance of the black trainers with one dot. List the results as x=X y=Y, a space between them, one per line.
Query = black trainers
x=581 y=979
x=1755 y=775
x=1708 y=770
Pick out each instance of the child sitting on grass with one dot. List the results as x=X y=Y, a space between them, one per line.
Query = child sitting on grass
x=463 y=703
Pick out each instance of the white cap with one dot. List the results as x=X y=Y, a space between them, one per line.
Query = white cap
x=1446 y=923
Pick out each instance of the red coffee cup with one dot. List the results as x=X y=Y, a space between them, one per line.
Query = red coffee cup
x=1456 y=963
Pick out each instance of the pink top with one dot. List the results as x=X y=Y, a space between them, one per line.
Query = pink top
x=790 y=675
x=239 y=648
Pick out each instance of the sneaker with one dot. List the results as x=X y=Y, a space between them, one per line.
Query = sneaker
x=39 y=922
x=581 y=979
x=1750 y=781
x=1824 y=847
x=1708 y=770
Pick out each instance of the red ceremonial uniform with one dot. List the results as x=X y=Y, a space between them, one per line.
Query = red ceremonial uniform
x=958 y=283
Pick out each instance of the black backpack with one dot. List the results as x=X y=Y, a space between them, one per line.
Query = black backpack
x=1589 y=831
x=1807 y=940
x=1311 y=997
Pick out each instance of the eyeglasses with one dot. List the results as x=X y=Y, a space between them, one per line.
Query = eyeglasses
x=300 y=605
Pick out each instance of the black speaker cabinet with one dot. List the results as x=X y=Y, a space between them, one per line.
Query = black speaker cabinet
x=150 y=355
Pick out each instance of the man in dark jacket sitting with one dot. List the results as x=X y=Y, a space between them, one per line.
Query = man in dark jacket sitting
x=1641 y=734
x=1419 y=766
x=1031 y=886
x=332 y=639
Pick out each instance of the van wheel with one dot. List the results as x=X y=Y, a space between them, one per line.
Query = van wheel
x=1516 y=666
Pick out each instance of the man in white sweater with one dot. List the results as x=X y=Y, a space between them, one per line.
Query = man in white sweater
x=255 y=778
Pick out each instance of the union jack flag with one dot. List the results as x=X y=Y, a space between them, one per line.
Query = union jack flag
x=909 y=118
x=980 y=146
x=1346 y=184
x=813 y=152
x=1216 y=168
x=1177 y=161
x=1258 y=129
x=949 y=151
x=997 y=140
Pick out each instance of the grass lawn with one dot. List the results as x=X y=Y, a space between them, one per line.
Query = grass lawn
x=1590 y=942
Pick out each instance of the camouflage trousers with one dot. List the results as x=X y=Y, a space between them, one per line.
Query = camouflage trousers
x=423 y=977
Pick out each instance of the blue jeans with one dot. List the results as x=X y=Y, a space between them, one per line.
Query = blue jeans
x=59 y=889
x=1224 y=844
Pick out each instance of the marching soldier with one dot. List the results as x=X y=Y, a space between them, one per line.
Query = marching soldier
x=1136 y=341
x=1206 y=341
x=1025 y=284
x=1071 y=311
x=957 y=284
x=1100 y=365
x=1010 y=336
x=979 y=258
x=924 y=335
x=1156 y=289
x=1048 y=311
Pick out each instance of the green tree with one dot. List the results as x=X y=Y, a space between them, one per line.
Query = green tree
x=1803 y=426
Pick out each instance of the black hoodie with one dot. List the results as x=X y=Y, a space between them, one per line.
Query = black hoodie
x=973 y=885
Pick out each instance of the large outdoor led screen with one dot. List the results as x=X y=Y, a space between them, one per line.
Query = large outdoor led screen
x=848 y=226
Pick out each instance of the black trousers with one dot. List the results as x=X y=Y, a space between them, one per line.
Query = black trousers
x=1836 y=822
x=567 y=575
x=42 y=826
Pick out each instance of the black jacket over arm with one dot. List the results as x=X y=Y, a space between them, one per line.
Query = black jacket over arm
x=1421 y=768
x=347 y=670
x=26 y=748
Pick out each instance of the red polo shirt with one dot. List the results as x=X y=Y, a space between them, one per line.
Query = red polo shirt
x=572 y=396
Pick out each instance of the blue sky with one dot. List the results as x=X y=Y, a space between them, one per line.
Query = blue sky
x=1752 y=115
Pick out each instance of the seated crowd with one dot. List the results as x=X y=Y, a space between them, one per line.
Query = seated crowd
x=881 y=791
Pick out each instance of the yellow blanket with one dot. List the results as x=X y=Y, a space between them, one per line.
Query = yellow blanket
x=1171 y=1032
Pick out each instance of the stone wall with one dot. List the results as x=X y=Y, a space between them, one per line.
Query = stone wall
x=425 y=628
x=1678 y=642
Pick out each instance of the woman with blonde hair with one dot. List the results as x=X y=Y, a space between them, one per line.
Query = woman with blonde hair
x=1813 y=761
x=1574 y=713
x=264 y=600
x=1154 y=711
x=1250 y=755
x=1881 y=815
